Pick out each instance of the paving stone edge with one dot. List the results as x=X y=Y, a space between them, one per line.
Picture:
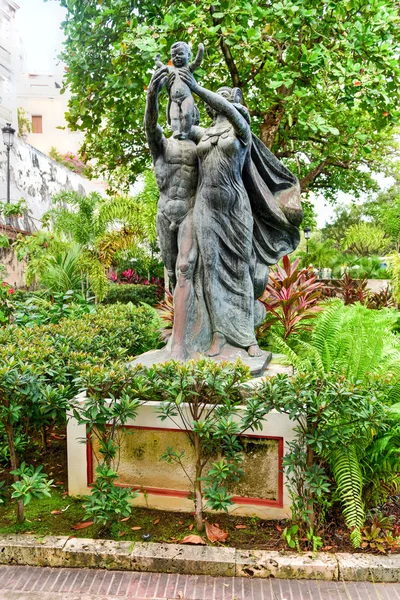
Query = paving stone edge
x=65 y=551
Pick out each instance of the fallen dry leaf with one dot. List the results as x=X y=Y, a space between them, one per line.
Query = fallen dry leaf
x=279 y=528
x=57 y=437
x=59 y=483
x=56 y=512
x=125 y=519
x=327 y=548
x=82 y=525
x=241 y=527
x=191 y=527
x=215 y=534
x=193 y=539
x=121 y=533
x=180 y=522
x=135 y=528
x=156 y=522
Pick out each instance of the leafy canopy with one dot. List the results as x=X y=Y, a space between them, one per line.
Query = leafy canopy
x=321 y=80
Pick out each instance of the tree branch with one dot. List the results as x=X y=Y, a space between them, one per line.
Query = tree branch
x=309 y=178
x=233 y=70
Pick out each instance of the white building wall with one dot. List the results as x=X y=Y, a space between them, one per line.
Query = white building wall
x=39 y=95
x=37 y=178
x=9 y=61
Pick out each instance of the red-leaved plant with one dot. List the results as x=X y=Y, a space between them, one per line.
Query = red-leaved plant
x=291 y=298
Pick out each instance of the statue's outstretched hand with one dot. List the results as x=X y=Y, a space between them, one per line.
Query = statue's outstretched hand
x=158 y=80
x=187 y=77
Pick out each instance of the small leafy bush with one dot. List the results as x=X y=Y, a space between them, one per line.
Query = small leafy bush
x=134 y=293
x=32 y=483
x=336 y=421
x=108 y=503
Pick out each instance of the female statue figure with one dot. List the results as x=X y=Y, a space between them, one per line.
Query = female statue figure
x=246 y=216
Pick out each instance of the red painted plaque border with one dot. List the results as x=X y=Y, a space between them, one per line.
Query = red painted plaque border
x=278 y=503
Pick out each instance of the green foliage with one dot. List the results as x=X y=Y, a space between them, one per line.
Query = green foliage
x=351 y=340
x=347 y=473
x=36 y=310
x=345 y=217
x=24 y=122
x=100 y=229
x=134 y=293
x=385 y=210
x=108 y=503
x=109 y=403
x=14 y=209
x=320 y=80
x=32 y=483
x=364 y=239
x=290 y=298
x=203 y=399
x=394 y=270
x=335 y=423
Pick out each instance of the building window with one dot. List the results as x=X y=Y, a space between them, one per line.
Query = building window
x=37 y=124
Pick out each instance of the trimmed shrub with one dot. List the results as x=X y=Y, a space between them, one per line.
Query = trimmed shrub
x=134 y=293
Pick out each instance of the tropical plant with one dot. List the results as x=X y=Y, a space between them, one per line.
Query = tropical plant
x=356 y=290
x=320 y=79
x=30 y=483
x=110 y=401
x=351 y=340
x=14 y=209
x=290 y=298
x=19 y=386
x=335 y=424
x=203 y=400
x=108 y=503
x=6 y=297
x=365 y=238
x=394 y=270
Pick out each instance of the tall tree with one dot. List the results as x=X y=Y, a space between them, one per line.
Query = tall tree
x=321 y=79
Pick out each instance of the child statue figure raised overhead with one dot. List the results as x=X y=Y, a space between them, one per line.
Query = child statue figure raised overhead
x=180 y=110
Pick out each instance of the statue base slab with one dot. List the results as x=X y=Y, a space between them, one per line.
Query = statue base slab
x=257 y=364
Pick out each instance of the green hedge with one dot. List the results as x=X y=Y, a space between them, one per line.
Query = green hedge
x=61 y=350
x=134 y=293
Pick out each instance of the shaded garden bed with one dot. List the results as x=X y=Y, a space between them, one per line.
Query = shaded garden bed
x=59 y=515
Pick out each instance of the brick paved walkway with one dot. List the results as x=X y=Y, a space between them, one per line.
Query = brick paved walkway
x=35 y=583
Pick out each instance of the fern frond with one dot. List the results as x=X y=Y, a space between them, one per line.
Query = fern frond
x=291 y=356
x=347 y=473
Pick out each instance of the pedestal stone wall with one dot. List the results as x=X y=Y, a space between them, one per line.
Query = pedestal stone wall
x=261 y=492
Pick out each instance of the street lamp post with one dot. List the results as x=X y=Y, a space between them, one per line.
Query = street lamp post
x=8 y=139
x=307 y=232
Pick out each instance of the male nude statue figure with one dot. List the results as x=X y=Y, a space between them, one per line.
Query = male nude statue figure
x=176 y=170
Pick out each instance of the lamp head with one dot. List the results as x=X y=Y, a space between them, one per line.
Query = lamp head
x=307 y=232
x=8 y=135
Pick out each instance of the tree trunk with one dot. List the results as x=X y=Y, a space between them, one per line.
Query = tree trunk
x=197 y=491
x=14 y=467
x=271 y=123
x=310 y=500
x=44 y=437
